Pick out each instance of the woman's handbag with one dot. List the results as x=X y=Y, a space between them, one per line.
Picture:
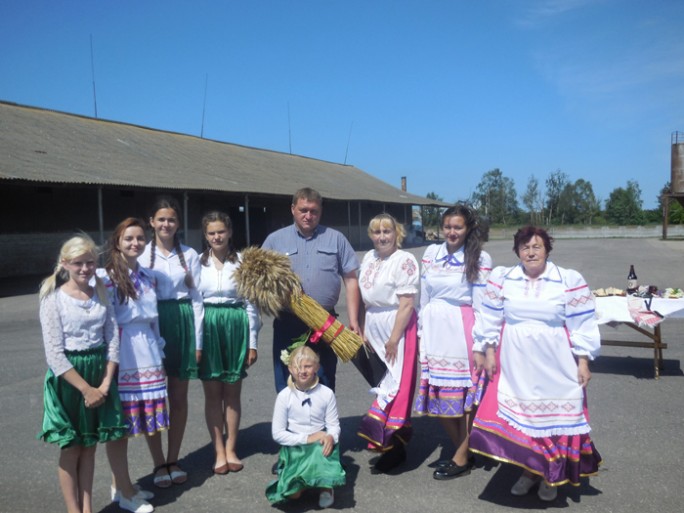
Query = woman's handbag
x=370 y=365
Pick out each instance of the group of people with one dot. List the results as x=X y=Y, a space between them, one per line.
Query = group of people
x=503 y=353
x=122 y=340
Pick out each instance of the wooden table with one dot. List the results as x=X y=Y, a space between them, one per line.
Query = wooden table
x=614 y=310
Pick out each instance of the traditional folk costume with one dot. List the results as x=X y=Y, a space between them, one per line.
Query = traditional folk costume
x=81 y=335
x=301 y=465
x=181 y=313
x=381 y=281
x=534 y=413
x=231 y=325
x=142 y=380
x=449 y=387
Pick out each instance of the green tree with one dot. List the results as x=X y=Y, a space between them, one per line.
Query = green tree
x=431 y=215
x=555 y=185
x=532 y=199
x=676 y=210
x=495 y=198
x=623 y=206
x=577 y=203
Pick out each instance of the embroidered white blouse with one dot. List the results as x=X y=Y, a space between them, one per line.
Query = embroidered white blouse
x=559 y=297
x=144 y=308
x=443 y=278
x=383 y=280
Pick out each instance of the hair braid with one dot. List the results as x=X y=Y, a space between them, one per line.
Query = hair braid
x=189 y=282
x=153 y=250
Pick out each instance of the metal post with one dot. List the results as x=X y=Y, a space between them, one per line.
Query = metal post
x=185 y=218
x=360 y=224
x=248 y=238
x=100 y=214
x=666 y=214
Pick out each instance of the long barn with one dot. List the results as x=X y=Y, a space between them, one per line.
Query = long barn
x=62 y=173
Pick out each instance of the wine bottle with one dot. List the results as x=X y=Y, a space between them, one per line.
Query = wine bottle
x=632 y=284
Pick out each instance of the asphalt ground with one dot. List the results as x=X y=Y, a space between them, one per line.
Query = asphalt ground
x=637 y=422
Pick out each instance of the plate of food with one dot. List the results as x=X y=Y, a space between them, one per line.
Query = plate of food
x=673 y=293
x=610 y=291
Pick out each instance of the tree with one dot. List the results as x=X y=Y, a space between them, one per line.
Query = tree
x=588 y=207
x=577 y=203
x=532 y=199
x=676 y=211
x=555 y=184
x=431 y=215
x=624 y=205
x=495 y=197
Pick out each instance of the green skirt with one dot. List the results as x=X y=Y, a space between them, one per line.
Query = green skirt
x=225 y=343
x=177 y=326
x=304 y=466
x=66 y=420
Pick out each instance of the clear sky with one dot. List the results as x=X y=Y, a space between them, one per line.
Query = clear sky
x=439 y=91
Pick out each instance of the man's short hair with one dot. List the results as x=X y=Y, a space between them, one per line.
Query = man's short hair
x=308 y=194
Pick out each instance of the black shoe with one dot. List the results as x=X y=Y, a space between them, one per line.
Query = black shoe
x=274 y=469
x=391 y=459
x=451 y=471
x=447 y=463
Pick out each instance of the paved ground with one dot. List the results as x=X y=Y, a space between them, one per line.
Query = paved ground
x=637 y=423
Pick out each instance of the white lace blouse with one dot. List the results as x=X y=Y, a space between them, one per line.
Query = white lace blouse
x=70 y=324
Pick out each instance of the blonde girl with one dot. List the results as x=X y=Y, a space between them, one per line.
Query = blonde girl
x=81 y=400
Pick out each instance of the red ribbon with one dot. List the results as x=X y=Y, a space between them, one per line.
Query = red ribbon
x=318 y=333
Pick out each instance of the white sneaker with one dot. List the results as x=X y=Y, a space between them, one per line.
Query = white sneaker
x=547 y=492
x=326 y=499
x=523 y=485
x=139 y=493
x=135 y=505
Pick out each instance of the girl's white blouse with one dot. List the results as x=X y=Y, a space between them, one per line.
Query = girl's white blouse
x=171 y=280
x=219 y=287
x=70 y=324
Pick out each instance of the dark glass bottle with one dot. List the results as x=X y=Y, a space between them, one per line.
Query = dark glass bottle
x=632 y=284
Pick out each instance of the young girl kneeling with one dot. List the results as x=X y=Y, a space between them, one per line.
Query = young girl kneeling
x=306 y=425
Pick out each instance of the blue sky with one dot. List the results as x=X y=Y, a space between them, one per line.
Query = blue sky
x=437 y=91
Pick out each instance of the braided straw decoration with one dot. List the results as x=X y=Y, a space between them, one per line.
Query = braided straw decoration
x=265 y=279
x=345 y=343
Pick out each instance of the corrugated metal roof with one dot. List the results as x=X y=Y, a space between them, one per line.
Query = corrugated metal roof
x=54 y=147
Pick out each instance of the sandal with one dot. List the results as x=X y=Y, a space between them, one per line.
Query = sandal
x=177 y=476
x=163 y=480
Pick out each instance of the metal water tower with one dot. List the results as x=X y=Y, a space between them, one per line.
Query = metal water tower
x=676 y=177
x=677 y=163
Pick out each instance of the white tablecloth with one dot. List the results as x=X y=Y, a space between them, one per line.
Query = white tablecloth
x=614 y=309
